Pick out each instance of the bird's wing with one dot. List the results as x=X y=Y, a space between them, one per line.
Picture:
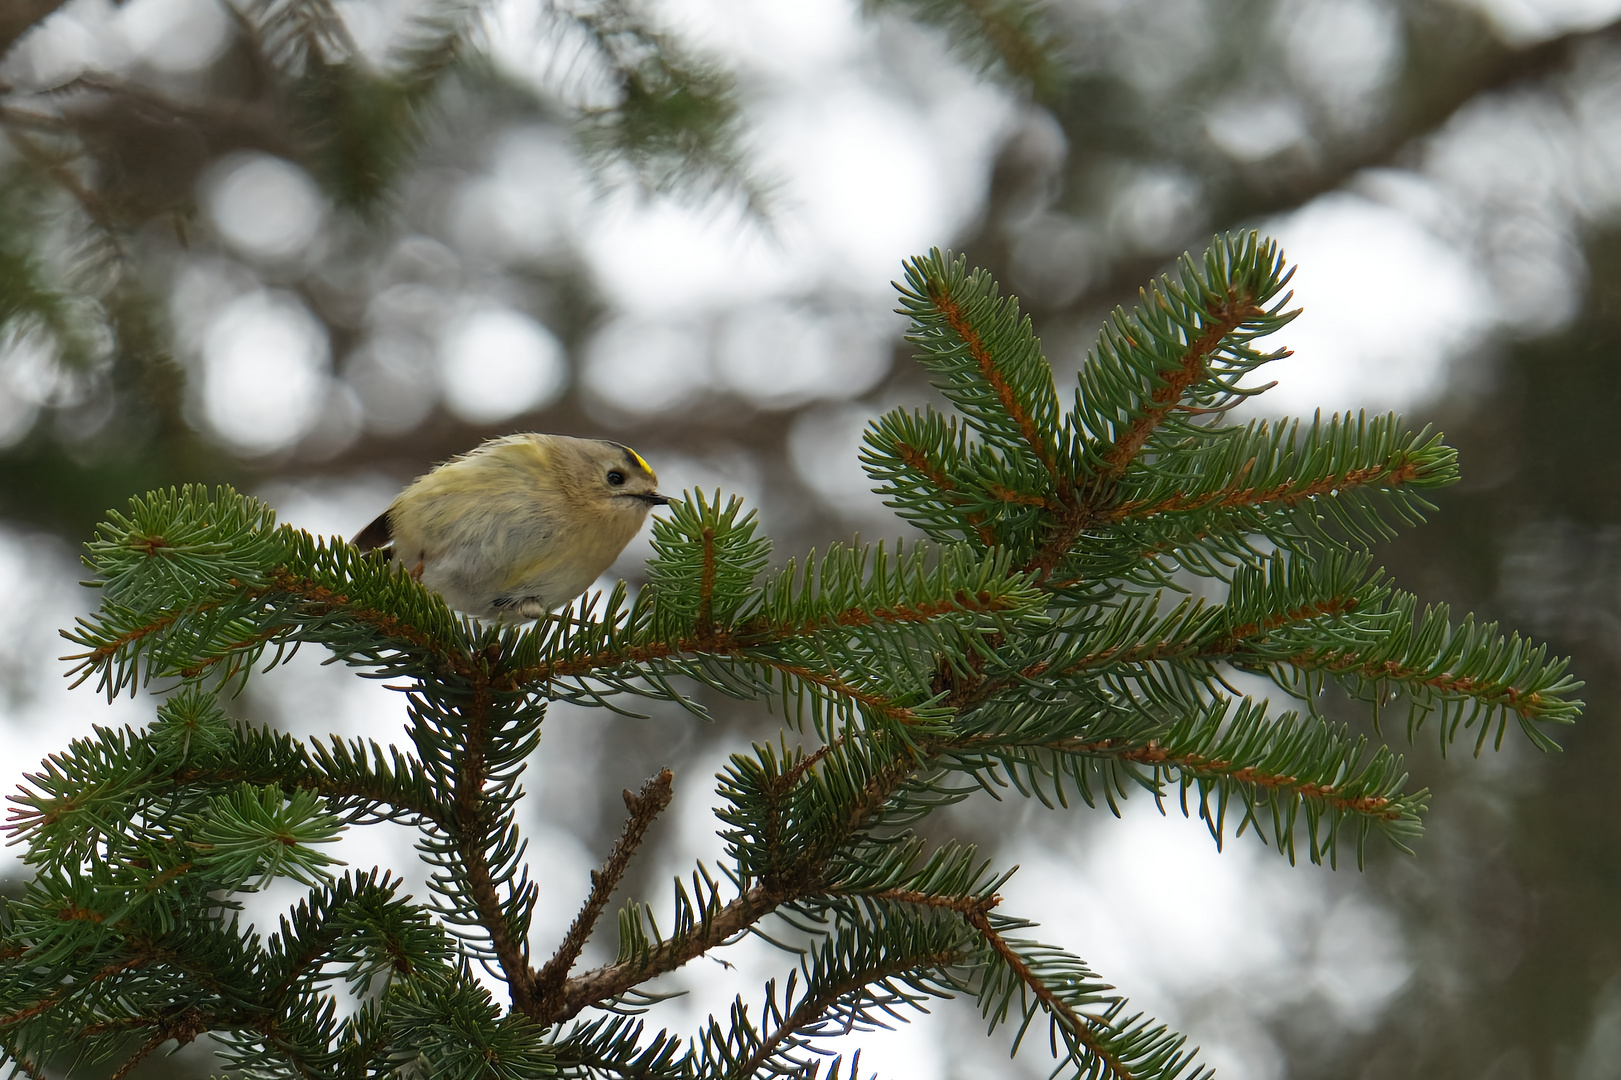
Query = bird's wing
x=378 y=534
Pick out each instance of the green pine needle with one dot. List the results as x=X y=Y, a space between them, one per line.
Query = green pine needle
x=1042 y=643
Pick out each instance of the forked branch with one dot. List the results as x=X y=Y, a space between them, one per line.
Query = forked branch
x=644 y=807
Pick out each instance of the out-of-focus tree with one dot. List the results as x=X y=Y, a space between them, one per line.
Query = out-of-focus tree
x=263 y=247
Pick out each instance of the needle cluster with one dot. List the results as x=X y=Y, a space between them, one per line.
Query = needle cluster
x=1095 y=583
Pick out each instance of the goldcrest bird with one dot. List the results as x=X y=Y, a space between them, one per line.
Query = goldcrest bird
x=519 y=526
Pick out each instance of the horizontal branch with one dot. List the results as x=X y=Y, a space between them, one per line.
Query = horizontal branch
x=758 y=633
x=747 y=641
x=1317 y=609
x=1285 y=494
x=1527 y=705
x=385 y=623
x=962 y=905
x=316 y=600
x=99 y=657
x=1376 y=806
x=28 y=1012
x=323 y=784
x=1153 y=754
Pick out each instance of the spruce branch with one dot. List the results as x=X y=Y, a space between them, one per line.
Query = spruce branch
x=871 y=970
x=985 y=356
x=1265 y=464
x=1185 y=346
x=1224 y=315
x=1062 y=987
x=1043 y=644
x=676 y=122
x=481 y=849
x=865 y=792
x=715 y=928
x=1008 y=37
x=159 y=1037
x=644 y=807
x=612 y=1046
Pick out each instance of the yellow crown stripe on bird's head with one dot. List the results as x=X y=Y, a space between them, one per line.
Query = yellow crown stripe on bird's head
x=638 y=459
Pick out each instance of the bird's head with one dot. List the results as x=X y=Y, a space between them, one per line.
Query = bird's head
x=617 y=475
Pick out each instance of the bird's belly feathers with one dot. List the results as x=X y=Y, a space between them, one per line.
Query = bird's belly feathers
x=518 y=565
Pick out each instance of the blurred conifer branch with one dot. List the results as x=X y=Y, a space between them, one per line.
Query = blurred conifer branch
x=1044 y=642
x=1009 y=38
x=112 y=162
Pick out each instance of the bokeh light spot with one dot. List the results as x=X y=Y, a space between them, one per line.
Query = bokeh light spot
x=175 y=35
x=265 y=371
x=644 y=367
x=824 y=446
x=778 y=356
x=496 y=363
x=867 y=178
x=527 y=206
x=393 y=374
x=265 y=206
x=1255 y=128
x=1345 y=50
x=1386 y=305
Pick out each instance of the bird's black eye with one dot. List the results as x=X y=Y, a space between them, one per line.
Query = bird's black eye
x=615 y=477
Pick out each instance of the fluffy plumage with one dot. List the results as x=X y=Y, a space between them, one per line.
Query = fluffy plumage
x=519 y=526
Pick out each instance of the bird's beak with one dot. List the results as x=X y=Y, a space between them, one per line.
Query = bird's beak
x=653 y=498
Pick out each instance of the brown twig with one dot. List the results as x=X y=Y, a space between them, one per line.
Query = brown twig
x=1370 y=805
x=644 y=807
x=1486 y=692
x=919 y=461
x=48 y=1001
x=612 y=980
x=159 y=1037
x=1247 y=633
x=1231 y=642
x=1228 y=316
x=1196 y=764
x=801 y=879
x=962 y=905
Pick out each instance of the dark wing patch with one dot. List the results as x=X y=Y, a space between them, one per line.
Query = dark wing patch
x=378 y=534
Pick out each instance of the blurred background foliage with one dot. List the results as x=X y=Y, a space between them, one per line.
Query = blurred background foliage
x=311 y=247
